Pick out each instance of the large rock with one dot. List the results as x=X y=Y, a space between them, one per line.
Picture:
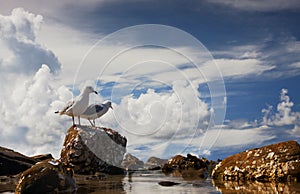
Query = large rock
x=12 y=162
x=154 y=163
x=48 y=176
x=131 y=162
x=89 y=150
x=276 y=162
x=189 y=167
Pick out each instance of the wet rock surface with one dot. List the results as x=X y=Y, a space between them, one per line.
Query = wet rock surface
x=12 y=163
x=48 y=176
x=189 y=167
x=88 y=150
x=277 y=162
x=131 y=162
x=8 y=183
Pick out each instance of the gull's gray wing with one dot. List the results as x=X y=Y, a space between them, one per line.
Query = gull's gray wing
x=99 y=108
x=92 y=109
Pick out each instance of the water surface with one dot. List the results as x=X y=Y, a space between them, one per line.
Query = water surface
x=147 y=182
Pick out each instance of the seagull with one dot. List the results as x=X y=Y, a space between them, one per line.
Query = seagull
x=95 y=111
x=77 y=106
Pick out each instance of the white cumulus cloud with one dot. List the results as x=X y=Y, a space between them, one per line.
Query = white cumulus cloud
x=28 y=91
x=22 y=53
x=284 y=115
x=28 y=122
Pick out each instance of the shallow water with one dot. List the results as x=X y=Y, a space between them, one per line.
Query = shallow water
x=143 y=182
x=147 y=182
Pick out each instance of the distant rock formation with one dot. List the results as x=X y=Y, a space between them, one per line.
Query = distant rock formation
x=277 y=162
x=131 y=162
x=12 y=163
x=154 y=163
x=189 y=167
x=48 y=176
x=89 y=150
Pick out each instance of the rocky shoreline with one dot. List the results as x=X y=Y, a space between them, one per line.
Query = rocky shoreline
x=98 y=152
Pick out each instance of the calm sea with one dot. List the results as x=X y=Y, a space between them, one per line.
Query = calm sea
x=147 y=182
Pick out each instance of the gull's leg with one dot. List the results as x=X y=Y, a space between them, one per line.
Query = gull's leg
x=79 y=120
x=94 y=123
x=73 y=120
x=91 y=122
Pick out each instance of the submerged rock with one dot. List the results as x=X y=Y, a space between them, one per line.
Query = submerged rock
x=167 y=183
x=89 y=150
x=276 y=162
x=189 y=167
x=154 y=163
x=12 y=163
x=46 y=177
x=131 y=162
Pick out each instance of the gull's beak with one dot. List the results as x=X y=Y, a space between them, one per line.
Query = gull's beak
x=96 y=92
x=111 y=107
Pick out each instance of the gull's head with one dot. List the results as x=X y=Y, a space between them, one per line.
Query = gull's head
x=108 y=104
x=89 y=89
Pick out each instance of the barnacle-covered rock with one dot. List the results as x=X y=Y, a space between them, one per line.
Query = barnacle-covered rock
x=276 y=162
x=48 y=176
x=92 y=149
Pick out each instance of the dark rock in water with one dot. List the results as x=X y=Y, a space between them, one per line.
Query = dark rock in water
x=12 y=162
x=154 y=163
x=131 y=162
x=181 y=163
x=167 y=183
x=89 y=150
x=8 y=183
x=48 y=176
x=189 y=167
x=277 y=162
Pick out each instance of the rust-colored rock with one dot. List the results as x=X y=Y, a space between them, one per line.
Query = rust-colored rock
x=48 y=176
x=89 y=150
x=276 y=162
x=189 y=167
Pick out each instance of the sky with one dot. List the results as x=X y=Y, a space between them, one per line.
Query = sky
x=207 y=77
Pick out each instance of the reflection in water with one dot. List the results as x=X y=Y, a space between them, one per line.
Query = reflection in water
x=147 y=182
x=256 y=187
x=99 y=184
